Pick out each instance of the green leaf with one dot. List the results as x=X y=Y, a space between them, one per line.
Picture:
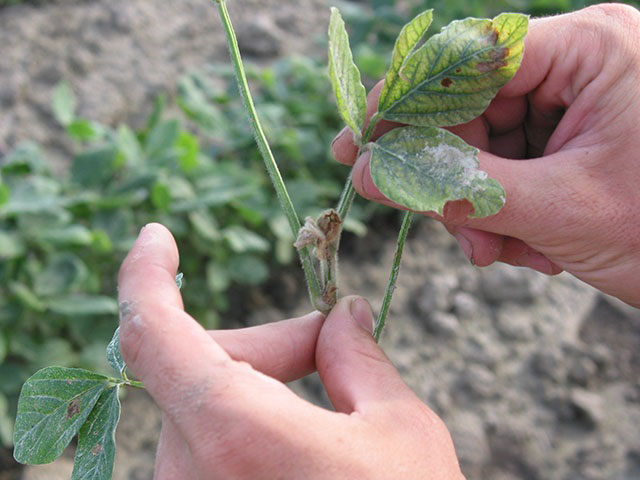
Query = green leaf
x=114 y=356
x=82 y=304
x=452 y=78
x=129 y=146
x=188 y=148
x=409 y=39
x=423 y=168
x=26 y=297
x=6 y=423
x=247 y=269
x=161 y=196
x=4 y=194
x=64 y=104
x=94 y=167
x=162 y=138
x=85 y=130
x=53 y=405
x=242 y=240
x=11 y=245
x=345 y=76
x=96 y=440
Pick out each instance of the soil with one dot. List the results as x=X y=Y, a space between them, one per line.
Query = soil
x=536 y=377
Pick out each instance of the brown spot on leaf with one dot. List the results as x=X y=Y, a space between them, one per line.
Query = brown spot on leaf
x=492 y=35
x=73 y=408
x=446 y=82
x=97 y=449
x=458 y=70
x=496 y=60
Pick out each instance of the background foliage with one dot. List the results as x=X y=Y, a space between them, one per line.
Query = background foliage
x=194 y=168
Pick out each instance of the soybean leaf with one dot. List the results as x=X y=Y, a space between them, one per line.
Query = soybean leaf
x=53 y=405
x=6 y=422
x=422 y=168
x=114 y=356
x=96 y=440
x=452 y=78
x=83 y=304
x=179 y=280
x=407 y=42
x=345 y=77
x=64 y=104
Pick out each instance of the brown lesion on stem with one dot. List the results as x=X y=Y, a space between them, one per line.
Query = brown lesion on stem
x=323 y=235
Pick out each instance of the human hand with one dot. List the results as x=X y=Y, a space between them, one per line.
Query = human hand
x=573 y=110
x=226 y=412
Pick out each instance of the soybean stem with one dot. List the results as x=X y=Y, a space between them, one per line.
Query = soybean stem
x=391 y=284
x=286 y=204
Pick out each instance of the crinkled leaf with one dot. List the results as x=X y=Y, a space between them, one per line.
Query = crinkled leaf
x=407 y=42
x=422 y=168
x=64 y=104
x=452 y=78
x=114 y=356
x=96 y=440
x=345 y=76
x=179 y=280
x=53 y=405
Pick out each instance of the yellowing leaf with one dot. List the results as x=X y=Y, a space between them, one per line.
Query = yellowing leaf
x=406 y=43
x=452 y=78
x=345 y=76
x=423 y=168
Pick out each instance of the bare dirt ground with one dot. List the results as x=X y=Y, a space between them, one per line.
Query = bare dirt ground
x=536 y=377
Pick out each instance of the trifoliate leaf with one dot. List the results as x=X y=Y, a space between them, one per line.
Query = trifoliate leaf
x=407 y=42
x=345 y=76
x=452 y=78
x=53 y=405
x=422 y=168
x=96 y=440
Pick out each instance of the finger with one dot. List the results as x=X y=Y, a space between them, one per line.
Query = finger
x=354 y=370
x=484 y=248
x=282 y=350
x=173 y=457
x=534 y=192
x=182 y=367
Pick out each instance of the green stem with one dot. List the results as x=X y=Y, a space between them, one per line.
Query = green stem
x=135 y=383
x=348 y=193
x=391 y=284
x=272 y=168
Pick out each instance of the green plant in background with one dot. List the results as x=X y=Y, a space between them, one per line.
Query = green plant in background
x=446 y=79
x=63 y=236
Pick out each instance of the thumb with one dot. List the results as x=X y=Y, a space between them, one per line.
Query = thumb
x=356 y=373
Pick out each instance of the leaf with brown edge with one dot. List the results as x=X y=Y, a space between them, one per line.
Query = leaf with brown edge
x=453 y=77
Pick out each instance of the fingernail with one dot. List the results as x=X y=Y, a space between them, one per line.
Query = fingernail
x=535 y=261
x=465 y=245
x=340 y=134
x=361 y=312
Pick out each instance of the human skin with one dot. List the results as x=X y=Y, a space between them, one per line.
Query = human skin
x=571 y=109
x=561 y=137
x=227 y=414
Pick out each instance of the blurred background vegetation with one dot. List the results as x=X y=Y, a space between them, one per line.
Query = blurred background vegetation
x=193 y=167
